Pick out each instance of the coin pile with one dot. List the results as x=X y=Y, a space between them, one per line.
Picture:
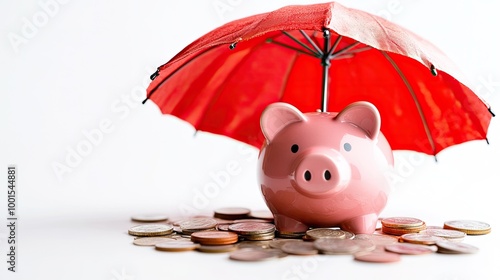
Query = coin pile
x=251 y=236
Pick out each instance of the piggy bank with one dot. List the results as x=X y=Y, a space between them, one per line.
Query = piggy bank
x=324 y=169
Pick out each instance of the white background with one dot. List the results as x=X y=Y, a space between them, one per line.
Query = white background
x=69 y=68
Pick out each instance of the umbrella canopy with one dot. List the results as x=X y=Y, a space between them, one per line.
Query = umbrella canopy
x=320 y=57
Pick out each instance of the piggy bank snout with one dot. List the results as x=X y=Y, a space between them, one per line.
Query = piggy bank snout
x=321 y=172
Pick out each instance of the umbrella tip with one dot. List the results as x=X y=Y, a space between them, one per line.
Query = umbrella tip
x=155 y=74
x=232 y=46
x=144 y=101
x=491 y=112
x=487 y=141
x=435 y=158
x=434 y=71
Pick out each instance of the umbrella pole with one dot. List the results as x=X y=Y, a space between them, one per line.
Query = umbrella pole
x=325 y=61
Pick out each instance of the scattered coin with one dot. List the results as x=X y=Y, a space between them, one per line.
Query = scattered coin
x=262 y=214
x=150 y=241
x=223 y=227
x=197 y=224
x=378 y=239
x=450 y=234
x=291 y=235
x=447 y=247
x=254 y=244
x=401 y=222
x=299 y=248
x=470 y=227
x=251 y=221
x=418 y=238
x=214 y=237
x=252 y=228
x=318 y=233
x=377 y=257
x=335 y=246
x=151 y=230
x=176 y=246
x=410 y=249
x=217 y=248
x=278 y=243
x=259 y=237
x=147 y=218
x=231 y=213
x=348 y=234
x=253 y=255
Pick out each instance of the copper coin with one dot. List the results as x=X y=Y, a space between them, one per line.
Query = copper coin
x=150 y=241
x=401 y=222
x=231 y=213
x=151 y=230
x=318 y=233
x=449 y=234
x=377 y=257
x=401 y=231
x=470 y=227
x=176 y=246
x=447 y=247
x=418 y=238
x=409 y=249
x=197 y=224
x=253 y=255
x=377 y=239
x=252 y=228
x=216 y=248
x=299 y=248
x=262 y=214
x=148 y=218
x=214 y=237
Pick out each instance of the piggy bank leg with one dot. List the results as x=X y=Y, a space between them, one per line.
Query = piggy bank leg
x=286 y=224
x=361 y=224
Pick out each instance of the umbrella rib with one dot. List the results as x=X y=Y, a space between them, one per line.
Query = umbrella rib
x=334 y=46
x=315 y=46
x=286 y=77
x=292 y=48
x=344 y=50
x=417 y=103
x=318 y=54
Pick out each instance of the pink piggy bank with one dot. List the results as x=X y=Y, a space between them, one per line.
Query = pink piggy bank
x=324 y=169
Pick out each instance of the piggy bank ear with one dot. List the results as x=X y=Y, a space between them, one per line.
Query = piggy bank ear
x=363 y=115
x=277 y=116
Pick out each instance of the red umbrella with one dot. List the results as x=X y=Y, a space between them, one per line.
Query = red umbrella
x=322 y=56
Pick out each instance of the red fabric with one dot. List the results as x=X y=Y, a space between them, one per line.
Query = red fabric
x=224 y=91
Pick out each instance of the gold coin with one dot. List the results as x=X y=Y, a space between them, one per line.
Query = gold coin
x=470 y=227
x=318 y=233
x=151 y=230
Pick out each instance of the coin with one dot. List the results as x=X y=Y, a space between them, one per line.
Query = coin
x=318 y=233
x=223 y=227
x=348 y=234
x=262 y=214
x=337 y=246
x=409 y=249
x=259 y=237
x=231 y=213
x=251 y=221
x=377 y=256
x=377 y=239
x=147 y=218
x=176 y=246
x=447 y=247
x=254 y=244
x=470 y=227
x=252 y=255
x=278 y=243
x=418 y=238
x=150 y=241
x=290 y=235
x=196 y=224
x=216 y=248
x=299 y=248
x=151 y=230
x=214 y=237
x=401 y=231
x=252 y=228
x=401 y=222
x=450 y=234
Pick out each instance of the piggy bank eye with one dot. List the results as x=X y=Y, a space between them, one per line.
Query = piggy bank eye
x=347 y=147
x=295 y=148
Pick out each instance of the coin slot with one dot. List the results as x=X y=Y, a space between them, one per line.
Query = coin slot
x=307 y=175
x=328 y=175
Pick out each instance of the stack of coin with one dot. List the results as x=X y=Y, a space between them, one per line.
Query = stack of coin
x=197 y=224
x=151 y=230
x=214 y=237
x=448 y=234
x=402 y=225
x=254 y=231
